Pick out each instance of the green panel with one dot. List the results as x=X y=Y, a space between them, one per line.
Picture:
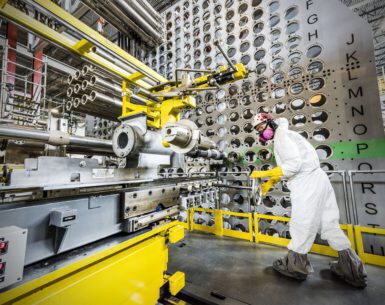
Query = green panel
x=372 y=148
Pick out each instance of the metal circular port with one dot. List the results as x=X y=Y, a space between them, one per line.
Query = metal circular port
x=257 y=14
x=316 y=84
x=291 y=12
x=315 y=67
x=249 y=141
x=321 y=134
x=317 y=100
x=274 y=20
x=297 y=104
x=324 y=152
x=314 y=51
x=258 y=28
x=259 y=55
x=319 y=117
x=298 y=120
x=292 y=27
x=279 y=108
x=235 y=143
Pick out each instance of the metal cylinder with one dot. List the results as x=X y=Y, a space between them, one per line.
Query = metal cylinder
x=85 y=99
x=77 y=75
x=70 y=91
x=98 y=81
x=87 y=70
x=178 y=135
x=76 y=102
x=71 y=80
x=114 y=102
x=69 y=105
x=145 y=14
x=77 y=88
x=9 y=132
x=120 y=64
x=150 y=9
x=137 y=18
x=120 y=20
x=207 y=154
x=129 y=141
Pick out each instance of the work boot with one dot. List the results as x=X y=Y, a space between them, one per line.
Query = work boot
x=294 y=265
x=350 y=268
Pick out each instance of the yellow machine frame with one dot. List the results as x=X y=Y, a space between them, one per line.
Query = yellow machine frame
x=131 y=272
x=168 y=109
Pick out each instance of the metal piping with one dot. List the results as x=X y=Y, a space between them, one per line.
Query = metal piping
x=114 y=15
x=55 y=138
x=120 y=64
x=114 y=102
x=98 y=81
x=150 y=10
x=145 y=14
x=134 y=15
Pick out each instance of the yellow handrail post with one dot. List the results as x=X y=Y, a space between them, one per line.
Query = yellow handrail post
x=218 y=219
x=256 y=228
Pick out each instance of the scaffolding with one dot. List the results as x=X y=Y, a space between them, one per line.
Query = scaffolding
x=23 y=88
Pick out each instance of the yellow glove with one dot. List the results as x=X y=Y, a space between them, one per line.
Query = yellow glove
x=266 y=186
x=274 y=172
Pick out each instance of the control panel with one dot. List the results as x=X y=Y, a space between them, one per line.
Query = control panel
x=13 y=242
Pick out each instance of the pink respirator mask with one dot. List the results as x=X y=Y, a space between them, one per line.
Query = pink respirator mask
x=266 y=135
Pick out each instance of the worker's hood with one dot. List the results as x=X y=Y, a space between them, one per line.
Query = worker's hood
x=282 y=123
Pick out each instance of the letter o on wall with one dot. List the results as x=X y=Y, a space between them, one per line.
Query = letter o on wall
x=360 y=129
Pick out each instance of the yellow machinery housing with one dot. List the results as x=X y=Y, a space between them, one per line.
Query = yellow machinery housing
x=131 y=272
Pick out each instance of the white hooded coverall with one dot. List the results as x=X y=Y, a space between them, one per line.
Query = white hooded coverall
x=314 y=204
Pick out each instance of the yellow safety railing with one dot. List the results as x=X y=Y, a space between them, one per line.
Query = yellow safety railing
x=199 y=227
x=354 y=234
x=368 y=257
x=248 y=235
x=218 y=228
x=280 y=241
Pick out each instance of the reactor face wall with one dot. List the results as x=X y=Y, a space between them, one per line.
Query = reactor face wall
x=313 y=64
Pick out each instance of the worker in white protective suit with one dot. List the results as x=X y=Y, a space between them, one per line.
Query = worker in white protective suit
x=314 y=205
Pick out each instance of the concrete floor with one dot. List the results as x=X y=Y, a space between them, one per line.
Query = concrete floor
x=241 y=272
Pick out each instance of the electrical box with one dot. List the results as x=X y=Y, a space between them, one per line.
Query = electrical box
x=13 y=242
x=63 y=217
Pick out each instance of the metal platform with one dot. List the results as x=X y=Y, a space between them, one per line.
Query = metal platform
x=223 y=270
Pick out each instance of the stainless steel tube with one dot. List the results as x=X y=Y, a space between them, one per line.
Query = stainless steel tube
x=69 y=105
x=114 y=102
x=76 y=102
x=9 y=132
x=145 y=14
x=141 y=22
x=98 y=81
x=77 y=88
x=111 y=11
x=70 y=91
x=120 y=64
x=77 y=74
x=150 y=9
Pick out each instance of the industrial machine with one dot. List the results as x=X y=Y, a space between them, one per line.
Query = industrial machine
x=75 y=229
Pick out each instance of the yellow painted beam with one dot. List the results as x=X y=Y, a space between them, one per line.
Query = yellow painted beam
x=62 y=14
